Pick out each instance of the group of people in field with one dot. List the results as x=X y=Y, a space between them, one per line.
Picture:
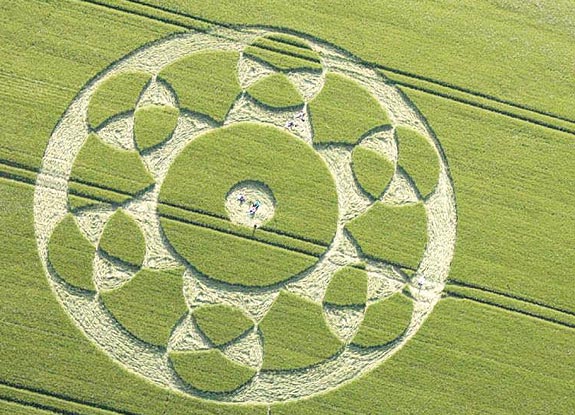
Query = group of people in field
x=254 y=206
x=291 y=123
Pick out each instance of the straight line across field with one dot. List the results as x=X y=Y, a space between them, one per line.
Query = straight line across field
x=46 y=401
x=27 y=175
x=402 y=78
x=382 y=67
x=184 y=215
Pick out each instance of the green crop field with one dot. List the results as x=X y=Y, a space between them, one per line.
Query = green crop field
x=273 y=207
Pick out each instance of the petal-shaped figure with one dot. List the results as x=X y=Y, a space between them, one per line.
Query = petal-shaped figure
x=210 y=371
x=419 y=159
x=284 y=53
x=372 y=171
x=149 y=305
x=221 y=323
x=295 y=334
x=395 y=234
x=116 y=95
x=107 y=174
x=348 y=287
x=154 y=124
x=344 y=111
x=123 y=240
x=71 y=254
x=384 y=321
x=276 y=91
x=205 y=82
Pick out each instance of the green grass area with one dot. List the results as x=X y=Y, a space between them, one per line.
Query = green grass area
x=510 y=303
x=190 y=218
x=418 y=159
x=233 y=259
x=110 y=167
x=204 y=172
x=154 y=124
x=43 y=349
x=384 y=321
x=513 y=186
x=116 y=95
x=123 y=239
x=343 y=111
x=466 y=355
x=515 y=201
x=348 y=287
x=71 y=254
x=284 y=53
x=205 y=82
x=221 y=323
x=372 y=170
x=14 y=408
x=149 y=305
x=397 y=234
x=210 y=370
x=295 y=334
x=277 y=91
x=506 y=41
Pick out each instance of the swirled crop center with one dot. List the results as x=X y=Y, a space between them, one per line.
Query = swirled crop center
x=201 y=180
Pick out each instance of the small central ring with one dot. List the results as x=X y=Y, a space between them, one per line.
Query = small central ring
x=250 y=203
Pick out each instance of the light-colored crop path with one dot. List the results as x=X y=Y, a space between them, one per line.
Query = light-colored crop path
x=88 y=312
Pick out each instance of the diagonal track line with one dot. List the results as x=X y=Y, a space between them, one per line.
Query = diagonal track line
x=57 y=396
x=508 y=295
x=452 y=282
x=382 y=67
x=35 y=405
x=19 y=166
x=508 y=308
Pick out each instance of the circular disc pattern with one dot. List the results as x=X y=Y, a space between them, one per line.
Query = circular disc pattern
x=155 y=176
x=218 y=160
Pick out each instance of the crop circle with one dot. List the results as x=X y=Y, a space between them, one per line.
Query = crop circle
x=162 y=165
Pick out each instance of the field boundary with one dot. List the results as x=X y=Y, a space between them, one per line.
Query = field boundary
x=454 y=92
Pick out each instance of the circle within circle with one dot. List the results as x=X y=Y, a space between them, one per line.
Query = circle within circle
x=250 y=204
x=182 y=160
x=256 y=158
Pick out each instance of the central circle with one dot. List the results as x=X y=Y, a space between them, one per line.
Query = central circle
x=250 y=203
x=212 y=228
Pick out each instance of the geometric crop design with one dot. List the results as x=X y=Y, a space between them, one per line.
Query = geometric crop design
x=246 y=215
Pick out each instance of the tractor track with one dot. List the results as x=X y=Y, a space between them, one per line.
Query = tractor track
x=450 y=282
x=551 y=119
x=91 y=407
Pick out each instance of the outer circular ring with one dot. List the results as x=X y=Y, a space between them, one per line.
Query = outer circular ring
x=267 y=387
